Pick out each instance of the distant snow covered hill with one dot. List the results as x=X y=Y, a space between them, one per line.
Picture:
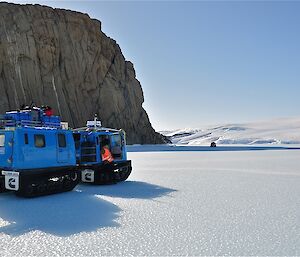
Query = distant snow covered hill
x=279 y=131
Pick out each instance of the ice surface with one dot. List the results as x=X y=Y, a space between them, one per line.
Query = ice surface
x=174 y=203
x=279 y=131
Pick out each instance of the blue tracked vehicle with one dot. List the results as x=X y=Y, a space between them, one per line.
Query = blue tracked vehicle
x=39 y=157
x=88 y=142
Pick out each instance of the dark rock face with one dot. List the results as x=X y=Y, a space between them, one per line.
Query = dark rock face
x=63 y=59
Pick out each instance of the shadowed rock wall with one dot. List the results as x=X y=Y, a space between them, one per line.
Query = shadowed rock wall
x=63 y=59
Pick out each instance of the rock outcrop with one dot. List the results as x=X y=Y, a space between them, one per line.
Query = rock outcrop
x=63 y=59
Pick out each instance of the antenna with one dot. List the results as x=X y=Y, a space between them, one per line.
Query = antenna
x=95 y=120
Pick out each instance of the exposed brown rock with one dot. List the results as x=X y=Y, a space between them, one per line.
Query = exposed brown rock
x=63 y=59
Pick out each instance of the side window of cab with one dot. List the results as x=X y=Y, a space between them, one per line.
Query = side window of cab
x=26 y=140
x=62 y=142
x=39 y=140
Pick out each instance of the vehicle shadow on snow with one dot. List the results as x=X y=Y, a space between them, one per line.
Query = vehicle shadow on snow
x=81 y=210
x=129 y=189
x=62 y=214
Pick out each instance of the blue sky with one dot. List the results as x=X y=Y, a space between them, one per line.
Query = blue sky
x=206 y=62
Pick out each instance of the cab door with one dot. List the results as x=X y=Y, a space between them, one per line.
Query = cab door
x=62 y=149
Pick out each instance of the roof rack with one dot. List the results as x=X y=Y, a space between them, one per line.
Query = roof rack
x=97 y=129
x=28 y=123
x=29 y=118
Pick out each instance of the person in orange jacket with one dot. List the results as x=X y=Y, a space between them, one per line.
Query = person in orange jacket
x=105 y=152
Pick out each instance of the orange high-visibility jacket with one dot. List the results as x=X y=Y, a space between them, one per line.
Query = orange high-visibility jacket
x=106 y=155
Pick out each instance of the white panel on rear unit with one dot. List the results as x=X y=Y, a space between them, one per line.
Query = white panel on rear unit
x=11 y=180
x=64 y=125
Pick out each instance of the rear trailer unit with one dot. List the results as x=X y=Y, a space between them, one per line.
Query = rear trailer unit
x=37 y=156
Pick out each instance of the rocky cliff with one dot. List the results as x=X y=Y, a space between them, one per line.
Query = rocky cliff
x=63 y=59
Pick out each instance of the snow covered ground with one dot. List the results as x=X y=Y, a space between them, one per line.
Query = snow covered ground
x=279 y=131
x=174 y=203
